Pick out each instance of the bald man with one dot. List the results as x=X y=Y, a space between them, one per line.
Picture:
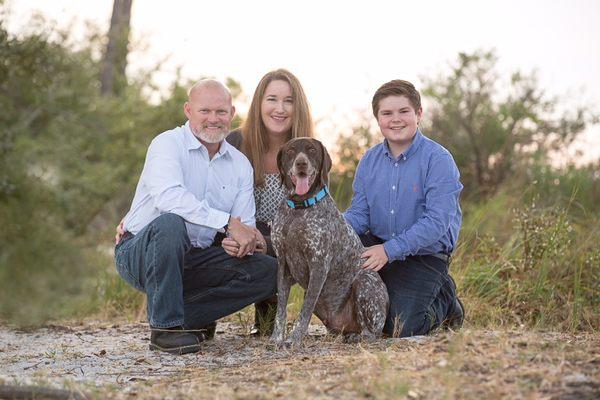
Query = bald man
x=195 y=188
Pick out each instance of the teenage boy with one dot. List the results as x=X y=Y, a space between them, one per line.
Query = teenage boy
x=406 y=211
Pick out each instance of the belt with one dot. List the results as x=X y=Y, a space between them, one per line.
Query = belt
x=442 y=256
x=216 y=242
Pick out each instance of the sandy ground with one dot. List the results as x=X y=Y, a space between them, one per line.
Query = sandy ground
x=97 y=360
x=101 y=354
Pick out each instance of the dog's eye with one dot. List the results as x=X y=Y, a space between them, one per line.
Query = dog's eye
x=289 y=152
x=312 y=150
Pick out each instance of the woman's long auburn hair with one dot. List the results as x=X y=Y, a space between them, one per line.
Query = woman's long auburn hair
x=254 y=132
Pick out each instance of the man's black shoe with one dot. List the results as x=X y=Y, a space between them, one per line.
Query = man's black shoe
x=207 y=332
x=174 y=340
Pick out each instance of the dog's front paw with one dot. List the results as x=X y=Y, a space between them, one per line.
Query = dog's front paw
x=352 y=338
x=294 y=341
x=290 y=344
x=281 y=344
x=277 y=337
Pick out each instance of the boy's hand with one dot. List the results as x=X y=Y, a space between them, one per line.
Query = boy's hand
x=376 y=258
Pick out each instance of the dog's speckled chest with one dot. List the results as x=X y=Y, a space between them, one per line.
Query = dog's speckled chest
x=318 y=238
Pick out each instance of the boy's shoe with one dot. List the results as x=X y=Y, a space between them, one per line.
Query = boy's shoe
x=455 y=319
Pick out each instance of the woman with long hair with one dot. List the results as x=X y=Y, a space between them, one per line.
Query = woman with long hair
x=279 y=111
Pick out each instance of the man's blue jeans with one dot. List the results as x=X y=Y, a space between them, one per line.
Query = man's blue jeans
x=422 y=293
x=190 y=286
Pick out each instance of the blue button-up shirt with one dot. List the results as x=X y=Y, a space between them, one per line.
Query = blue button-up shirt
x=411 y=202
x=179 y=177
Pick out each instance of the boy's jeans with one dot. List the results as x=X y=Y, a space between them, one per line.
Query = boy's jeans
x=422 y=293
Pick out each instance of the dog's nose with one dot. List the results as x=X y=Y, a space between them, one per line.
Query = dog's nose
x=301 y=163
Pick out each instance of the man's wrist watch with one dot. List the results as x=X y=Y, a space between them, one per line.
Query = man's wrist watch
x=224 y=229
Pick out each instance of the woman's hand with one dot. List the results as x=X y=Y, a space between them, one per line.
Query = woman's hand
x=120 y=232
x=230 y=246
x=261 y=243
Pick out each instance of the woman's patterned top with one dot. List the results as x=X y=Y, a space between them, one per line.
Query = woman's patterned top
x=268 y=197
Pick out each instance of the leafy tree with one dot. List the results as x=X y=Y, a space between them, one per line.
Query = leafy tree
x=69 y=161
x=350 y=149
x=38 y=257
x=494 y=128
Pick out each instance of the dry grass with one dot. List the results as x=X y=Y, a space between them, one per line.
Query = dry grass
x=473 y=364
x=469 y=364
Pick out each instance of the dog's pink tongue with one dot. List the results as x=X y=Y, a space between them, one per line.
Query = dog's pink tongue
x=302 y=186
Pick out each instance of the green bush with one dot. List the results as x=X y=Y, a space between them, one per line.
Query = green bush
x=66 y=153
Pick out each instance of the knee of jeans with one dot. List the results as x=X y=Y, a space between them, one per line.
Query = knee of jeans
x=269 y=273
x=404 y=323
x=170 y=224
x=419 y=325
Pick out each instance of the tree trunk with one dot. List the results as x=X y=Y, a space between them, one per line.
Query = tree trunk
x=115 y=58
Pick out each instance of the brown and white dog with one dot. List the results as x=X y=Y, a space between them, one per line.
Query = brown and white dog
x=317 y=249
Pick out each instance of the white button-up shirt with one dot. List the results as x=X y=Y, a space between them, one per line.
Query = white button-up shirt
x=180 y=178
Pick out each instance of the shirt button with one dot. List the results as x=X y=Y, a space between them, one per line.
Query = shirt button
x=395 y=164
x=404 y=158
x=394 y=187
x=393 y=234
x=392 y=211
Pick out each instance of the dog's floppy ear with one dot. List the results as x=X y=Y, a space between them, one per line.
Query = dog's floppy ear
x=325 y=165
x=282 y=173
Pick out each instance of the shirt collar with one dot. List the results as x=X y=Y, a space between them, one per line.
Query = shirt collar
x=192 y=143
x=414 y=146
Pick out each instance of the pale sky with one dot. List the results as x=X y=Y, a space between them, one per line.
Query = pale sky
x=343 y=50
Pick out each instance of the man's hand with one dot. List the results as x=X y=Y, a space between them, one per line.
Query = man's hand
x=376 y=258
x=120 y=232
x=232 y=247
x=243 y=235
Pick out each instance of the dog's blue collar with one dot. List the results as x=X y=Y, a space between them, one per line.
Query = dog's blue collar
x=309 y=202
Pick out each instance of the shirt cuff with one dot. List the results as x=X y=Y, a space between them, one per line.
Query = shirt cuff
x=393 y=250
x=217 y=219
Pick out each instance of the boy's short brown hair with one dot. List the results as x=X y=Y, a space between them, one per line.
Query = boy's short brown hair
x=397 y=87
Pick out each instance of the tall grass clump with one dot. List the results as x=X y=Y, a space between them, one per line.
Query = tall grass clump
x=542 y=272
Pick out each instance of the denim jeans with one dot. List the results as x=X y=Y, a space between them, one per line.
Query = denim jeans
x=422 y=293
x=190 y=286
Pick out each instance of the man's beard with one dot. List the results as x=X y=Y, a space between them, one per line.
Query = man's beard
x=210 y=137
